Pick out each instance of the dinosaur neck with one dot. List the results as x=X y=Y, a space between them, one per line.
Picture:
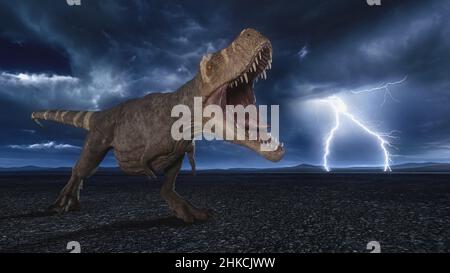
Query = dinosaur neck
x=186 y=93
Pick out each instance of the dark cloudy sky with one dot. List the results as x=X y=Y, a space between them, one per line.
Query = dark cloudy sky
x=103 y=52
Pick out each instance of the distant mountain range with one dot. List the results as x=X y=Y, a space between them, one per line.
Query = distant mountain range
x=304 y=168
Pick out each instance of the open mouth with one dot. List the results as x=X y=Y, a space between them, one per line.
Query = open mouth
x=239 y=91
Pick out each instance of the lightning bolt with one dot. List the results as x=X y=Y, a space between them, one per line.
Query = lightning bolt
x=385 y=87
x=340 y=109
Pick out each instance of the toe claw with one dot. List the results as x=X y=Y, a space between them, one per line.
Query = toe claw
x=189 y=213
x=150 y=174
x=64 y=204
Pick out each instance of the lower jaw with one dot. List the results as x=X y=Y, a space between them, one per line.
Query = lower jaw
x=266 y=150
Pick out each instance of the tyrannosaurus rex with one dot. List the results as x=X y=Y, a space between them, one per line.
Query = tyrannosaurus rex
x=139 y=130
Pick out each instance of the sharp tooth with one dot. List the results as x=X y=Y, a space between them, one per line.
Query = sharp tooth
x=242 y=79
x=260 y=55
x=246 y=78
x=270 y=54
x=270 y=65
x=256 y=60
x=254 y=66
x=264 y=74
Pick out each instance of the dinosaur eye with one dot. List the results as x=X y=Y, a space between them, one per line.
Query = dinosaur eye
x=209 y=67
x=248 y=34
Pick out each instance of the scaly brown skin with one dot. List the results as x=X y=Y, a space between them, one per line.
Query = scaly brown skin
x=139 y=130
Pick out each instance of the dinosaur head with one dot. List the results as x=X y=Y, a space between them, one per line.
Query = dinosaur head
x=228 y=78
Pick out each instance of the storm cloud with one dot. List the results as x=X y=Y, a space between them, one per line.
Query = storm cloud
x=101 y=53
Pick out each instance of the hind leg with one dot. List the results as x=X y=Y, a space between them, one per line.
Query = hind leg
x=93 y=153
x=181 y=208
x=191 y=156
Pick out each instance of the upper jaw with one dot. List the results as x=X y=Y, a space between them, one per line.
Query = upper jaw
x=256 y=67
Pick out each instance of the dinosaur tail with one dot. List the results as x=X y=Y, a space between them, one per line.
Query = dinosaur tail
x=80 y=119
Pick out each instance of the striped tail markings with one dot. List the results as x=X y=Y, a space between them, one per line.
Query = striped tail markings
x=80 y=119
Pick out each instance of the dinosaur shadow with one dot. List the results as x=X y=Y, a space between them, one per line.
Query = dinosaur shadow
x=170 y=221
x=128 y=225
x=32 y=214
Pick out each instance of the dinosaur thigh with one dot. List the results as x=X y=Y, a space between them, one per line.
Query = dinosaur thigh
x=130 y=161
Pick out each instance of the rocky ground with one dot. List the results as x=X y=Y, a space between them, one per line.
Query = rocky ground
x=254 y=213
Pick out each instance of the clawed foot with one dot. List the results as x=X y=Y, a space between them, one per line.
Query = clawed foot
x=149 y=173
x=65 y=203
x=188 y=213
